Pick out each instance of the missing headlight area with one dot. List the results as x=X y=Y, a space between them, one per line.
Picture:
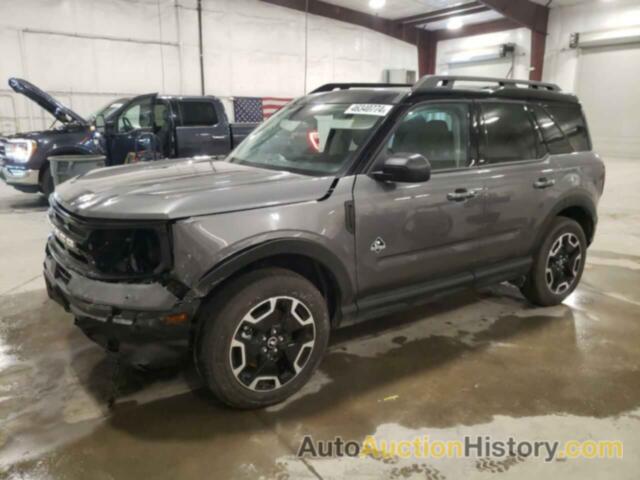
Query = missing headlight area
x=110 y=250
x=124 y=252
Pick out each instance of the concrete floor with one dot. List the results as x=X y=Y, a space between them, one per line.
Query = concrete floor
x=479 y=363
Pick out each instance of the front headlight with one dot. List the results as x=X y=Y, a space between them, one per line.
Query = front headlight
x=20 y=151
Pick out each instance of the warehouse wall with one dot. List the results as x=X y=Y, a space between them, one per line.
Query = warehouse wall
x=604 y=78
x=561 y=63
x=449 y=50
x=87 y=52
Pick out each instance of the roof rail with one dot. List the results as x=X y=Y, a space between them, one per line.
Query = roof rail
x=448 y=81
x=329 y=87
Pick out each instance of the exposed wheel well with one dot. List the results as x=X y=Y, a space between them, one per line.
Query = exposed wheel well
x=583 y=217
x=308 y=267
x=43 y=168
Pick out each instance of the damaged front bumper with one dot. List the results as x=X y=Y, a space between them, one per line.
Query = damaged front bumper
x=117 y=314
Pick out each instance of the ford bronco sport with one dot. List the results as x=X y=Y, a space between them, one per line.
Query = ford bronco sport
x=355 y=201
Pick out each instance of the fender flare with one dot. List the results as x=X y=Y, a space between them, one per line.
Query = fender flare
x=270 y=248
x=574 y=199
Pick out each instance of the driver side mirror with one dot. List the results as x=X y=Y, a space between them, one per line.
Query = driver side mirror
x=404 y=167
x=100 y=123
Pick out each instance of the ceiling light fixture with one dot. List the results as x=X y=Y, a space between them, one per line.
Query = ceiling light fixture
x=455 y=23
x=377 y=4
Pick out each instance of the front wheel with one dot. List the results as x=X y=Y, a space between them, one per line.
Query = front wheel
x=263 y=336
x=558 y=265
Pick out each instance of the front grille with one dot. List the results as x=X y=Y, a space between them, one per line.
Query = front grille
x=70 y=238
x=62 y=274
x=107 y=249
x=2 y=144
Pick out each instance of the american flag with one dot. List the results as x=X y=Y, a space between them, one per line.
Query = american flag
x=256 y=109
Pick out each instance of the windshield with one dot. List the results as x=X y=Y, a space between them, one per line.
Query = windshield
x=108 y=109
x=313 y=139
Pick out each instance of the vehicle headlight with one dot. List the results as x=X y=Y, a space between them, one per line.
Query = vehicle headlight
x=20 y=151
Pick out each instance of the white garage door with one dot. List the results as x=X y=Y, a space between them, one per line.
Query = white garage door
x=608 y=79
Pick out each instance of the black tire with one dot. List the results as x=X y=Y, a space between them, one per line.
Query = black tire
x=222 y=318
x=46 y=183
x=536 y=287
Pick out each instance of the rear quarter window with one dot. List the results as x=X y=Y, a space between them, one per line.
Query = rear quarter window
x=509 y=133
x=198 y=114
x=571 y=121
x=556 y=141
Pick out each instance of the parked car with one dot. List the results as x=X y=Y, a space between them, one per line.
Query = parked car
x=146 y=127
x=350 y=203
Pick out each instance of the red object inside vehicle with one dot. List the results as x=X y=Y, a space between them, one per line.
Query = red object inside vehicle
x=313 y=139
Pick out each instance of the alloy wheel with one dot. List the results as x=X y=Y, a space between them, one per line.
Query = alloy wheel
x=563 y=263
x=272 y=343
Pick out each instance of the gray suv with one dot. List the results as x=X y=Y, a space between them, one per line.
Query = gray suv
x=352 y=202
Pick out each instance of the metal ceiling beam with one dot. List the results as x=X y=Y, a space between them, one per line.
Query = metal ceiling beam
x=447 y=16
x=472 y=29
x=530 y=15
x=525 y=12
x=424 y=40
x=382 y=25
x=518 y=12
x=444 y=13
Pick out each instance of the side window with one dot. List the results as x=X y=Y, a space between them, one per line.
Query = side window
x=509 y=133
x=571 y=121
x=161 y=115
x=439 y=132
x=198 y=114
x=136 y=116
x=556 y=142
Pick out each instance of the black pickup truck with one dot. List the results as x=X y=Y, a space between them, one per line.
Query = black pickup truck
x=127 y=130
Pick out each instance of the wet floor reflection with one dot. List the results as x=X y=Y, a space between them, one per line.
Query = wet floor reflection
x=458 y=361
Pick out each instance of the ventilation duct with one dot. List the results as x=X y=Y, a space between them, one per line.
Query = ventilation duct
x=496 y=52
x=605 y=38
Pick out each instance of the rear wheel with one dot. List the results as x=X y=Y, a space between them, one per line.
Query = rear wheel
x=263 y=337
x=558 y=265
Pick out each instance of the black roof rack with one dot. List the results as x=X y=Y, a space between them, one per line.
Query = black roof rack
x=329 y=87
x=430 y=82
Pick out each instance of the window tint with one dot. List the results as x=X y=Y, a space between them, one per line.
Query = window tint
x=198 y=114
x=509 y=133
x=438 y=132
x=138 y=115
x=571 y=121
x=556 y=142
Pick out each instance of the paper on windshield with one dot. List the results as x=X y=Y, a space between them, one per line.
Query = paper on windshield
x=377 y=109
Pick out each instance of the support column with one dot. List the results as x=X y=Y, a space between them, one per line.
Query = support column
x=427 y=48
x=538 y=42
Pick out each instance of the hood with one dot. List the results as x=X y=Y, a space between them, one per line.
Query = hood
x=172 y=189
x=40 y=135
x=46 y=101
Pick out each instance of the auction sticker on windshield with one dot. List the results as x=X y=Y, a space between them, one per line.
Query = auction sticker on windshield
x=379 y=110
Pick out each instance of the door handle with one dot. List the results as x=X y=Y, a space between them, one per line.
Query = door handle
x=461 y=195
x=219 y=137
x=544 y=182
